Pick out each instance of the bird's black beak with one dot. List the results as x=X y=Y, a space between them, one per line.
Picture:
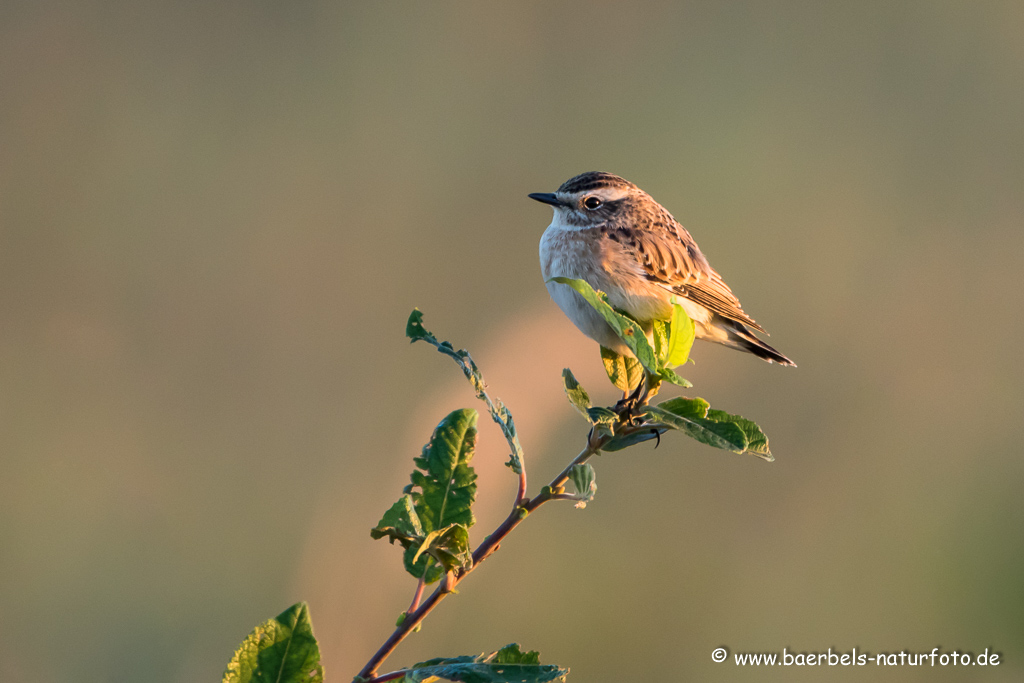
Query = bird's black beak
x=545 y=198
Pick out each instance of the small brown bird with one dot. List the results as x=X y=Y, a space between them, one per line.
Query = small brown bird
x=612 y=234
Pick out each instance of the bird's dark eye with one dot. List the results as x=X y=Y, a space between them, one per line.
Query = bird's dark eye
x=592 y=203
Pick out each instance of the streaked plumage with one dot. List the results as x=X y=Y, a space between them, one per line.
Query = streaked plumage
x=612 y=234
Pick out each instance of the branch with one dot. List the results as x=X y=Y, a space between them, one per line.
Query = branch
x=389 y=676
x=418 y=595
x=499 y=413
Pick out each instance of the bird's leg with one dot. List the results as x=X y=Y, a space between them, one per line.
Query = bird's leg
x=628 y=403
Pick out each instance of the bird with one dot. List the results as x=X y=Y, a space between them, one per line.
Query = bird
x=616 y=237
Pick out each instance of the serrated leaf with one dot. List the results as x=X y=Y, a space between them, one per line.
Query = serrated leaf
x=724 y=435
x=280 y=650
x=757 y=442
x=576 y=394
x=625 y=372
x=445 y=478
x=584 y=479
x=681 y=335
x=627 y=329
x=439 y=499
x=400 y=523
x=507 y=665
x=511 y=654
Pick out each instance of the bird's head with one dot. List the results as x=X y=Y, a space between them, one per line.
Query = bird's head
x=592 y=199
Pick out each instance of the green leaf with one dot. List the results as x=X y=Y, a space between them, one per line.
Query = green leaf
x=400 y=523
x=511 y=654
x=686 y=407
x=432 y=519
x=660 y=331
x=585 y=480
x=449 y=546
x=757 y=442
x=681 y=335
x=507 y=665
x=577 y=395
x=724 y=435
x=446 y=483
x=627 y=329
x=599 y=415
x=717 y=427
x=414 y=328
x=669 y=375
x=281 y=650
x=625 y=372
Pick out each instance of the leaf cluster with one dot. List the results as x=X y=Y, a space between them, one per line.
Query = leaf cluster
x=652 y=361
x=432 y=519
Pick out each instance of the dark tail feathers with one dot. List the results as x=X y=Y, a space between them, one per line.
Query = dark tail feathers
x=743 y=339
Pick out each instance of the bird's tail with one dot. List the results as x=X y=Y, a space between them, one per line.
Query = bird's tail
x=739 y=337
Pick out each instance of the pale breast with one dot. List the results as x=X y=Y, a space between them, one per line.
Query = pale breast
x=589 y=256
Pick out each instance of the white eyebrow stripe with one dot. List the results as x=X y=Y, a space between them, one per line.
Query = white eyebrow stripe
x=608 y=194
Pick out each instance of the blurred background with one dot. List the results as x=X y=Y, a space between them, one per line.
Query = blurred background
x=216 y=217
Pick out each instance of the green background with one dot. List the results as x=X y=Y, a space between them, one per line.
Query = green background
x=215 y=218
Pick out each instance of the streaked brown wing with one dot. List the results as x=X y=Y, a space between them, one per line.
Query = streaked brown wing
x=671 y=257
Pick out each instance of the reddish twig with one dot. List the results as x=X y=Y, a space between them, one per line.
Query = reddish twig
x=418 y=595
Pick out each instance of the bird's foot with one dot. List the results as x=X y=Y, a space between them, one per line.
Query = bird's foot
x=629 y=406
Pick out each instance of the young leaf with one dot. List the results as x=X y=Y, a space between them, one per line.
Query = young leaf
x=627 y=329
x=681 y=335
x=507 y=665
x=577 y=394
x=757 y=442
x=280 y=650
x=625 y=372
x=724 y=435
x=585 y=481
